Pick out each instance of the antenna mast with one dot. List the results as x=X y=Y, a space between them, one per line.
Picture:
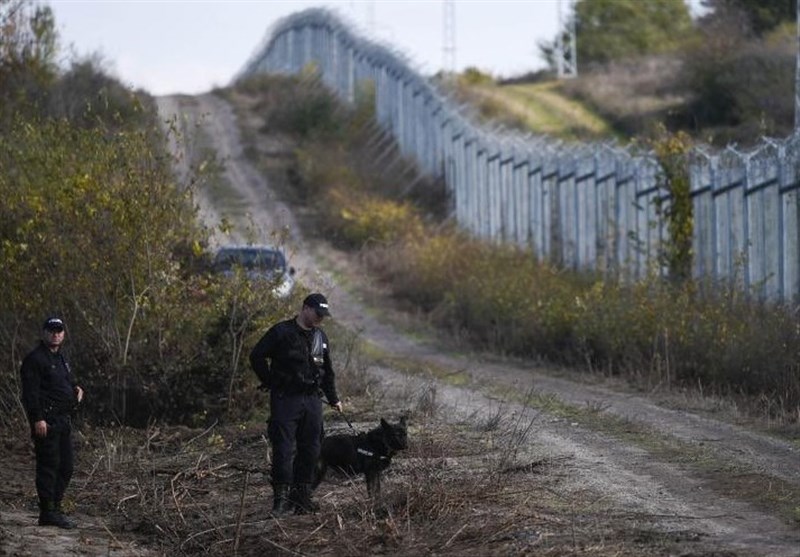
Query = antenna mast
x=449 y=37
x=566 y=54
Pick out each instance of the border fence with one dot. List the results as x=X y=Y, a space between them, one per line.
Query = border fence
x=588 y=206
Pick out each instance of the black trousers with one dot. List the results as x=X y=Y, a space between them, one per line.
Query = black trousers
x=295 y=431
x=54 y=459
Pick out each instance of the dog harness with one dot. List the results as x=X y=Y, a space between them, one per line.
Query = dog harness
x=371 y=454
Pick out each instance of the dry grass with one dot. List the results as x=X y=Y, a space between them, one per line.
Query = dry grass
x=632 y=96
x=478 y=486
x=460 y=489
x=545 y=110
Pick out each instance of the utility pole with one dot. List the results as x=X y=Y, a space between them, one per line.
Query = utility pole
x=797 y=76
x=566 y=55
x=449 y=37
x=370 y=16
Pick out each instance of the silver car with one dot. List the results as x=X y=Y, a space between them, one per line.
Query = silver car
x=258 y=263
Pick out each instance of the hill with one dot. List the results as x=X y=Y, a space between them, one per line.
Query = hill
x=738 y=99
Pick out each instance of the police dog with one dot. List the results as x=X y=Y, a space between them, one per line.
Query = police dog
x=366 y=453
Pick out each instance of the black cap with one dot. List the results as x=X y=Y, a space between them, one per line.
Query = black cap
x=318 y=302
x=53 y=324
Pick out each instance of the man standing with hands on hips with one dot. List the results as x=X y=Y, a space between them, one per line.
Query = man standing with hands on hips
x=49 y=394
x=292 y=361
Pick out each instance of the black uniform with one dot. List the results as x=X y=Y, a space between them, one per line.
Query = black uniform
x=299 y=367
x=48 y=393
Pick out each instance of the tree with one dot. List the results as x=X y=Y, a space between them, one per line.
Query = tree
x=28 y=48
x=740 y=85
x=610 y=30
x=760 y=16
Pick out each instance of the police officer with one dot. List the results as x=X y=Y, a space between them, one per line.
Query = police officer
x=292 y=360
x=49 y=394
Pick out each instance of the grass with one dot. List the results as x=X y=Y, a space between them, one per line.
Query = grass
x=541 y=108
x=545 y=110
x=466 y=488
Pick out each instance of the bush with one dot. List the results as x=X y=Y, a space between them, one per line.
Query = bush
x=749 y=86
x=363 y=219
x=86 y=96
x=632 y=95
x=94 y=228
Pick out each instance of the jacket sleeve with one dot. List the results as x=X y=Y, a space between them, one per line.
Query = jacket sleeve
x=264 y=349
x=328 y=383
x=31 y=389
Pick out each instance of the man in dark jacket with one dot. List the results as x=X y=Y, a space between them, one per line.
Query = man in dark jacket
x=49 y=393
x=292 y=361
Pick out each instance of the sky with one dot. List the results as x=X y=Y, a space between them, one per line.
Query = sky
x=192 y=46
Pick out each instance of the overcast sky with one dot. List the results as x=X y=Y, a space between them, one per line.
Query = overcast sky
x=191 y=46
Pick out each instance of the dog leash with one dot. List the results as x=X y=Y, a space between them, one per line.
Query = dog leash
x=341 y=414
x=347 y=421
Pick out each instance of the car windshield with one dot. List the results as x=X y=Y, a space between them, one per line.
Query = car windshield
x=250 y=258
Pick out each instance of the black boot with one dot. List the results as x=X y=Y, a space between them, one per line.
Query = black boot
x=281 y=504
x=48 y=516
x=60 y=511
x=301 y=495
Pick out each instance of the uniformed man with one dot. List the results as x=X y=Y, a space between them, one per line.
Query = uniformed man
x=292 y=360
x=49 y=394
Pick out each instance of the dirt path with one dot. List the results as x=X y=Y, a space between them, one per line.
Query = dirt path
x=632 y=479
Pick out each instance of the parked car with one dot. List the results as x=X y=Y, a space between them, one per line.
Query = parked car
x=258 y=263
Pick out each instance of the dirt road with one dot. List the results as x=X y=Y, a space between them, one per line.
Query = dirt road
x=634 y=477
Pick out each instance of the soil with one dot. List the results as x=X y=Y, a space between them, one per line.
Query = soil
x=662 y=471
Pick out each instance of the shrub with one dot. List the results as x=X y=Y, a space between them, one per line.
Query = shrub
x=360 y=219
x=632 y=94
x=473 y=76
x=671 y=150
x=94 y=228
x=749 y=86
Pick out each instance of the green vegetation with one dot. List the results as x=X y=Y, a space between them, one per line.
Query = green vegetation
x=760 y=17
x=541 y=107
x=501 y=299
x=612 y=30
x=94 y=227
x=671 y=151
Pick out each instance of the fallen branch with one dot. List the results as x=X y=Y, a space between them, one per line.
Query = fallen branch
x=241 y=512
x=175 y=498
x=196 y=437
x=262 y=539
